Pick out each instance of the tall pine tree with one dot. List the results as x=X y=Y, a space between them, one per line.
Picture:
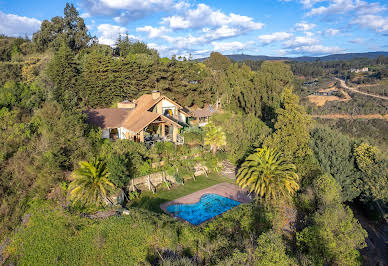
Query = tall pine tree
x=63 y=71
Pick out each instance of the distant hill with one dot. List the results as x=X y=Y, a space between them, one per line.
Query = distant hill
x=333 y=57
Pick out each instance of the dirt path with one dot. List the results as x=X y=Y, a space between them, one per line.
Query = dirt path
x=343 y=84
x=347 y=116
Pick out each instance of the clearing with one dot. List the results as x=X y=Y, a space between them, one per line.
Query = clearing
x=320 y=100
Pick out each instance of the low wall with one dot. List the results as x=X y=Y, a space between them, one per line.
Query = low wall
x=157 y=178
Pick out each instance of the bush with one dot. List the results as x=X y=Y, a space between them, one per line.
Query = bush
x=271 y=250
x=126 y=159
x=333 y=238
x=133 y=195
x=53 y=236
x=178 y=178
x=193 y=135
x=10 y=72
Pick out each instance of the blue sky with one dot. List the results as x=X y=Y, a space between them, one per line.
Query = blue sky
x=183 y=27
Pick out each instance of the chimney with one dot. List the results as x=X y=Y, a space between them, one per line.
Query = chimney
x=126 y=104
x=155 y=94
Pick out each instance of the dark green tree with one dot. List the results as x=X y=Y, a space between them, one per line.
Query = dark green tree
x=218 y=62
x=271 y=250
x=63 y=72
x=123 y=46
x=70 y=29
x=292 y=128
x=75 y=31
x=333 y=151
x=374 y=172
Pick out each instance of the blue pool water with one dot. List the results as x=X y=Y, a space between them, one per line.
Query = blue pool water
x=209 y=206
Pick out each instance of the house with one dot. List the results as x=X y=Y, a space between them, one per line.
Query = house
x=323 y=93
x=310 y=83
x=355 y=70
x=200 y=117
x=150 y=118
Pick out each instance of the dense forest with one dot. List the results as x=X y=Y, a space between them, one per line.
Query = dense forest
x=48 y=151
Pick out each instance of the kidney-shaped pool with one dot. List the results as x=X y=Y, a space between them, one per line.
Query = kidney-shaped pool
x=209 y=206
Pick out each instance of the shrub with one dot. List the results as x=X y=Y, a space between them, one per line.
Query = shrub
x=271 y=250
x=333 y=238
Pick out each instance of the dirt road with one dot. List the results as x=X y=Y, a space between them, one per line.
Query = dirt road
x=343 y=84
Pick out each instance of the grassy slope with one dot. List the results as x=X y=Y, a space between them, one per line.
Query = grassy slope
x=53 y=236
x=151 y=201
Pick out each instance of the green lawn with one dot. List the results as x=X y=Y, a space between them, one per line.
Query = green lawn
x=151 y=201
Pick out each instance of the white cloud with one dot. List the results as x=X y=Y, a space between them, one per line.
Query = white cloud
x=345 y=6
x=300 y=41
x=357 y=41
x=162 y=49
x=305 y=3
x=309 y=33
x=318 y=49
x=202 y=25
x=153 y=32
x=125 y=10
x=184 y=42
x=208 y=35
x=310 y=3
x=374 y=22
x=304 y=26
x=222 y=32
x=277 y=36
x=108 y=34
x=201 y=52
x=14 y=25
x=176 y=22
x=281 y=52
x=85 y=15
x=204 y=16
x=230 y=46
x=332 y=32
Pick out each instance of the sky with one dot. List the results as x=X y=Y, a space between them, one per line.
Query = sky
x=196 y=28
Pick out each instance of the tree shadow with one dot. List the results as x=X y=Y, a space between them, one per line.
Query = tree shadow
x=151 y=203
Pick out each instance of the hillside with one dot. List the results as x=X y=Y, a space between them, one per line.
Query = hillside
x=77 y=192
x=333 y=57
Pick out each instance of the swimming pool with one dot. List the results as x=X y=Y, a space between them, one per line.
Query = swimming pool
x=209 y=206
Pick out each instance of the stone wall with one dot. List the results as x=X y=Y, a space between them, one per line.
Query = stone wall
x=156 y=179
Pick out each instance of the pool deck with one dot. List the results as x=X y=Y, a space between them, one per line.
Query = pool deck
x=223 y=189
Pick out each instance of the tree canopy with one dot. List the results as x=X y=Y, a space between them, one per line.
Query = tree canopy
x=69 y=29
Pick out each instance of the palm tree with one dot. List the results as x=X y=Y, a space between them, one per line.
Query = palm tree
x=215 y=137
x=267 y=174
x=90 y=183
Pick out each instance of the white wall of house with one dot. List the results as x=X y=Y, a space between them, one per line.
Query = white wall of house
x=124 y=133
x=105 y=133
x=181 y=117
x=167 y=103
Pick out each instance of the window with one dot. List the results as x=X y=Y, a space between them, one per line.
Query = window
x=169 y=111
